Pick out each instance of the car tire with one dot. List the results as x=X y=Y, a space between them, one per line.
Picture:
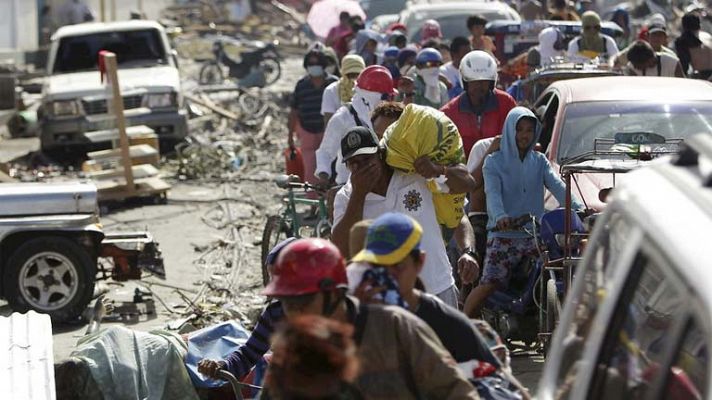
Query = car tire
x=51 y=275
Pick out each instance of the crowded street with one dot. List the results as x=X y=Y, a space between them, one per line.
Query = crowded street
x=355 y=199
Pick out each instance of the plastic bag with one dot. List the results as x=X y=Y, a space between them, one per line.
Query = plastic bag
x=425 y=131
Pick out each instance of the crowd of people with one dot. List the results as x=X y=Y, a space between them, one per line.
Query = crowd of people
x=382 y=310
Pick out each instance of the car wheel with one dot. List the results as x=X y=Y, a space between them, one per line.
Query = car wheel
x=51 y=275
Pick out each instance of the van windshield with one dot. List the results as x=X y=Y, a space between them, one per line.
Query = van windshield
x=133 y=49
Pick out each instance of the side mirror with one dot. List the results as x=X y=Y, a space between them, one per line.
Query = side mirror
x=174 y=55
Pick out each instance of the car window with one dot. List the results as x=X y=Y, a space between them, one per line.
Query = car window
x=687 y=378
x=137 y=48
x=651 y=303
x=595 y=273
x=548 y=120
x=586 y=123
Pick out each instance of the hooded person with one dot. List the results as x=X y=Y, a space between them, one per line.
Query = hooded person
x=515 y=179
x=390 y=61
x=551 y=45
x=341 y=92
x=365 y=46
x=592 y=43
x=429 y=90
x=374 y=85
x=406 y=59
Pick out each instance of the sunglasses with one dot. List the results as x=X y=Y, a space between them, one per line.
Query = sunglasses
x=592 y=27
x=429 y=64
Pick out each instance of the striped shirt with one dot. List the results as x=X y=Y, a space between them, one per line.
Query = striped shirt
x=241 y=361
x=307 y=101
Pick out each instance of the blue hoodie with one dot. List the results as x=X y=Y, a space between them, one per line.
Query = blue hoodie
x=515 y=187
x=362 y=37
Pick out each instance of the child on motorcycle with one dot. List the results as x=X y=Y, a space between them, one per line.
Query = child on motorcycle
x=515 y=178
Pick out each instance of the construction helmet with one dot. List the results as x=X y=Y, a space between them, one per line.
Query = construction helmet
x=428 y=55
x=478 y=65
x=376 y=78
x=307 y=266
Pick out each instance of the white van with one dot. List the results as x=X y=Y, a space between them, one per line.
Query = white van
x=637 y=324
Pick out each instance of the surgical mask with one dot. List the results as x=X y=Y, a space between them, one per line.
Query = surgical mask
x=431 y=75
x=331 y=69
x=315 y=70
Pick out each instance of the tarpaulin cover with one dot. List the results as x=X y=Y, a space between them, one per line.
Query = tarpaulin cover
x=425 y=131
x=215 y=343
x=134 y=365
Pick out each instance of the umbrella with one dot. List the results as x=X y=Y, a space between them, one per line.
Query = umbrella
x=324 y=14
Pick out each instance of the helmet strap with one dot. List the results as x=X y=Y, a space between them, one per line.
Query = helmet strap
x=330 y=307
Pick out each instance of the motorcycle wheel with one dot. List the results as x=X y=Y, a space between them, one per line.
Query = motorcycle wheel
x=211 y=74
x=272 y=70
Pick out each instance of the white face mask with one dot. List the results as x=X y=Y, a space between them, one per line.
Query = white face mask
x=365 y=101
x=315 y=70
x=430 y=75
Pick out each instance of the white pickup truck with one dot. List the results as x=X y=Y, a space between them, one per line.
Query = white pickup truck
x=74 y=99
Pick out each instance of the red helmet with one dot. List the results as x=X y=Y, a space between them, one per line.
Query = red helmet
x=307 y=266
x=376 y=78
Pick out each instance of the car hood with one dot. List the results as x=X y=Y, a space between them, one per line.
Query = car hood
x=593 y=175
x=80 y=84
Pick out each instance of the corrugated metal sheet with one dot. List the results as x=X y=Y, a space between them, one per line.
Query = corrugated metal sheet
x=26 y=357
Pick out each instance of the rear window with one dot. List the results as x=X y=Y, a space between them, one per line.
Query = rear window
x=133 y=49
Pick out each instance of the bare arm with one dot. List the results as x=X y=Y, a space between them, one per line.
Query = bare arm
x=292 y=125
x=459 y=179
x=464 y=235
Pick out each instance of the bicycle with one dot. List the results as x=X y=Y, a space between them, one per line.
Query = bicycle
x=292 y=223
x=237 y=386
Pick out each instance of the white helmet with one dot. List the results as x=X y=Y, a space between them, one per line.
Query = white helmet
x=478 y=65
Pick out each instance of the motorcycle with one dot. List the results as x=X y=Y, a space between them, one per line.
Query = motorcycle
x=256 y=68
x=527 y=311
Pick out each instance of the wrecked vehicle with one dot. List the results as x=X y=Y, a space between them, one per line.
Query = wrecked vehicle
x=75 y=100
x=51 y=239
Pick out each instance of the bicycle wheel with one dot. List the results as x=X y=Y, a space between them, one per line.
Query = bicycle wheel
x=275 y=231
x=211 y=74
x=271 y=69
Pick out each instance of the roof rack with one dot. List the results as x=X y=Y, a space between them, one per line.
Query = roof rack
x=645 y=154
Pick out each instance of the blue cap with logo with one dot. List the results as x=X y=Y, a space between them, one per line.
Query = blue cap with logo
x=390 y=238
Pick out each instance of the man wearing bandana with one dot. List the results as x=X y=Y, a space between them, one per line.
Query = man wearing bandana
x=429 y=90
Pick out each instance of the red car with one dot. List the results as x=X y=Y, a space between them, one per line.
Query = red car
x=609 y=125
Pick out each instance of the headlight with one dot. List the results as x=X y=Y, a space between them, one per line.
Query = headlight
x=65 y=108
x=160 y=100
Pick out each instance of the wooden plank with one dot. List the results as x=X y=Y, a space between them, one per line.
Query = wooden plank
x=145 y=187
x=118 y=104
x=140 y=150
x=139 y=171
x=217 y=109
x=113 y=134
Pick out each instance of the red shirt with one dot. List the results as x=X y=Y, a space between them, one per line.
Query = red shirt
x=474 y=127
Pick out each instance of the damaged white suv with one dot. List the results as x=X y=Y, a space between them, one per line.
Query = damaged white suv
x=74 y=98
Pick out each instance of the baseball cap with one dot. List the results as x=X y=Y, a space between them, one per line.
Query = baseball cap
x=358 y=140
x=657 y=28
x=390 y=238
x=274 y=253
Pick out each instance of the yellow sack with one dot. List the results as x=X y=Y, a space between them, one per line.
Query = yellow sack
x=425 y=131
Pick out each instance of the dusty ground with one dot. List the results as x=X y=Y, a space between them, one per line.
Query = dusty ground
x=190 y=223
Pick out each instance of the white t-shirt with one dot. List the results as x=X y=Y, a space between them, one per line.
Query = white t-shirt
x=478 y=153
x=330 y=147
x=330 y=101
x=668 y=64
x=409 y=194
x=451 y=73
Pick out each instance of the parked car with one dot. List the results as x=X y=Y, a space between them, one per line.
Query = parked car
x=74 y=98
x=622 y=120
x=50 y=240
x=452 y=16
x=375 y=8
x=637 y=323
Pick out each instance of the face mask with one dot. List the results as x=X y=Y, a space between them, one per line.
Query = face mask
x=430 y=75
x=366 y=99
x=331 y=69
x=315 y=70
